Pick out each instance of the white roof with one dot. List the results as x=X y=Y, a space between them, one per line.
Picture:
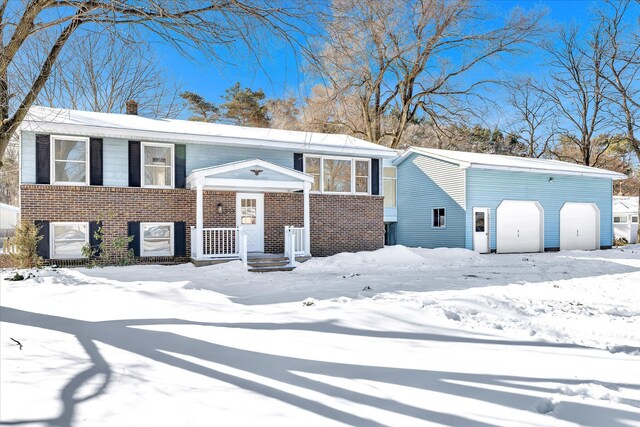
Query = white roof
x=85 y=123
x=499 y=162
x=625 y=204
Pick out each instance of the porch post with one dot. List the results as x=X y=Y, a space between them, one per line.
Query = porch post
x=307 y=220
x=199 y=220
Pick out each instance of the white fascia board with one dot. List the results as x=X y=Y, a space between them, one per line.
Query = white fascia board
x=610 y=175
x=111 y=132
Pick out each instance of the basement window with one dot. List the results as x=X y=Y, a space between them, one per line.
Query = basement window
x=68 y=238
x=157 y=239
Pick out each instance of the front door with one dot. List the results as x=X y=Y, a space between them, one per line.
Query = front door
x=481 y=230
x=250 y=216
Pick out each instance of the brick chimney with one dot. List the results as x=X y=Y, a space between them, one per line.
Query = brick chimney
x=132 y=107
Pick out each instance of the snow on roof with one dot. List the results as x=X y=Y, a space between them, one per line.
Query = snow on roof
x=9 y=207
x=43 y=119
x=625 y=204
x=500 y=162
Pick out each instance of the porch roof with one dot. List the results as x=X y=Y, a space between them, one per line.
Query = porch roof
x=250 y=175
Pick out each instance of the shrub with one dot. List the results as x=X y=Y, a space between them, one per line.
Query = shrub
x=620 y=241
x=26 y=245
x=103 y=254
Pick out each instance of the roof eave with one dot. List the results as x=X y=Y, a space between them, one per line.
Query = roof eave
x=611 y=175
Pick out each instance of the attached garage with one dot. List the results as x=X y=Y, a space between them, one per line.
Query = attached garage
x=519 y=227
x=579 y=226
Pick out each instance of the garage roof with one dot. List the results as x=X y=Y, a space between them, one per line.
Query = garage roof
x=467 y=160
x=625 y=204
x=55 y=120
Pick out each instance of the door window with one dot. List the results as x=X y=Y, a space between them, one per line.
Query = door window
x=248 y=212
x=480 y=222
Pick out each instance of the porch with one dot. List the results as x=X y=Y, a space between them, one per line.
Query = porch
x=256 y=184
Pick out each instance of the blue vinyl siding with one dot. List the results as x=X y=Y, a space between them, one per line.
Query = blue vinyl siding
x=425 y=184
x=28 y=157
x=488 y=188
x=203 y=156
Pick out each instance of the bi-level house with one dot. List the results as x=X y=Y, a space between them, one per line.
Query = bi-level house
x=190 y=190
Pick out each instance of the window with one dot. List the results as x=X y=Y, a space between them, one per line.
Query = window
x=69 y=159
x=312 y=167
x=389 y=177
x=248 y=212
x=634 y=219
x=620 y=219
x=362 y=176
x=339 y=174
x=68 y=238
x=157 y=239
x=157 y=165
x=439 y=218
x=480 y=222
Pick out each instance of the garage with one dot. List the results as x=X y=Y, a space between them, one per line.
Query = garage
x=519 y=226
x=579 y=226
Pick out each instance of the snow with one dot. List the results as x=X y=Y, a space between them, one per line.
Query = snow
x=44 y=119
x=502 y=162
x=625 y=205
x=398 y=336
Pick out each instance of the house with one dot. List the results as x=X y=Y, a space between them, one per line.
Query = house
x=9 y=216
x=625 y=218
x=506 y=204
x=192 y=190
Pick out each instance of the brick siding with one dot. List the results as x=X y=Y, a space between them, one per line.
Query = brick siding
x=338 y=222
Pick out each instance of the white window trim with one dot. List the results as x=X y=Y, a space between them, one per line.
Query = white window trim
x=52 y=156
x=353 y=173
x=142 y=165
x=621 y=217
x=395 y=185
x=52 y=240
x=433 y=217
x=171 y=243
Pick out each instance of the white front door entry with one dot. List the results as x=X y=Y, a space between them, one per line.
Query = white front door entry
x=481 y=230
x=250 y=216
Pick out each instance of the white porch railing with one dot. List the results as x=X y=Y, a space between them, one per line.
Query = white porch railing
x=217 y=242
x=298 y=240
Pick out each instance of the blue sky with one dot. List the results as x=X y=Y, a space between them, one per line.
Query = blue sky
x=279 y=72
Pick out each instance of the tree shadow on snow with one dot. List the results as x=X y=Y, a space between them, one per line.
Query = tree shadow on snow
x=169 y=348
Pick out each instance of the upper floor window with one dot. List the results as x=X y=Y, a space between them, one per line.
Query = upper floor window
x=70 y=157
x=389 y=178
x=157 y=165
x=339 y=174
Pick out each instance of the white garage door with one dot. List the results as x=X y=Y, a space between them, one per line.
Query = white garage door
x=579 y=226
x=519 y=227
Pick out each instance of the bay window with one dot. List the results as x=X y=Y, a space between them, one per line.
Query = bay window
x=69 y=160
x=157 y=165
x=339 y=174
x=68 y=238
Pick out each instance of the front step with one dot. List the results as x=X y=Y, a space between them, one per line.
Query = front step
x=270 y=269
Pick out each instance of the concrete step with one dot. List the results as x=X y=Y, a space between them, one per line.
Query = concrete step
x=270 y=269
x=269 y=259
x=267 y=263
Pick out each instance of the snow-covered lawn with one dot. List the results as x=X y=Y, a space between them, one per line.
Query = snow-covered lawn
x=396 y=337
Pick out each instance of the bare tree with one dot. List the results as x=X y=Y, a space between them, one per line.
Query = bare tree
x=622 y=67
x=413 y=58
x=534 y=121
x=99 y=73
x=200 y=25
x=577 y=91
